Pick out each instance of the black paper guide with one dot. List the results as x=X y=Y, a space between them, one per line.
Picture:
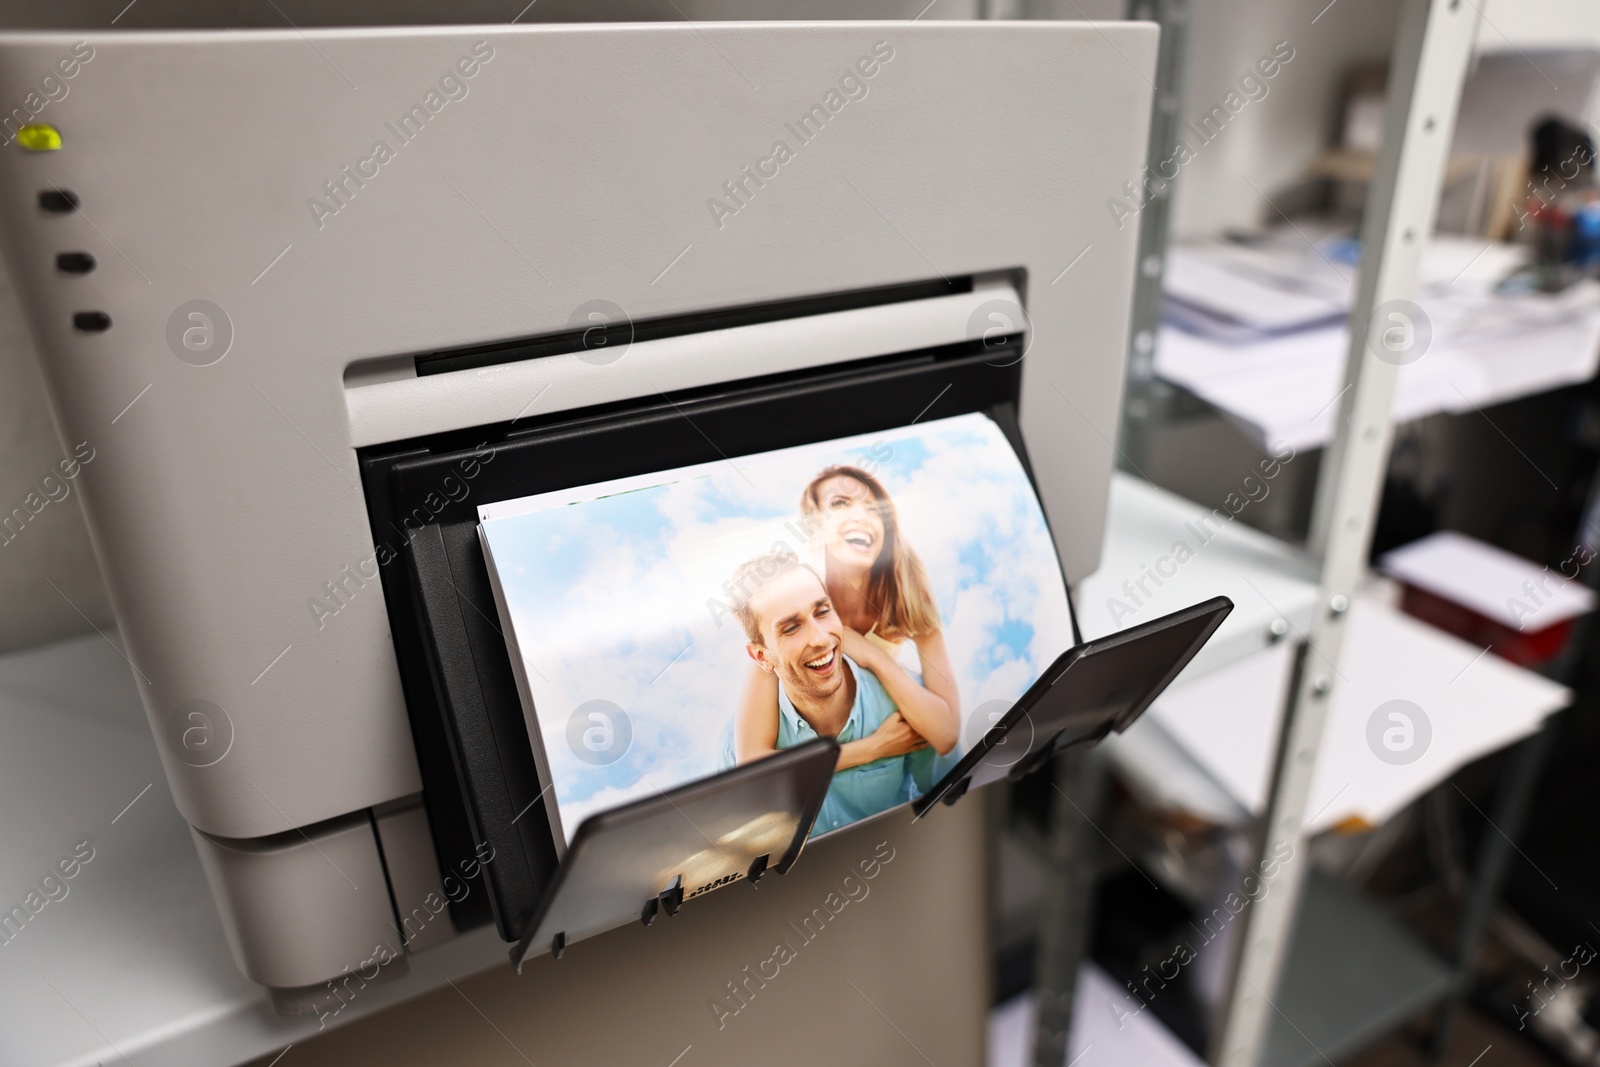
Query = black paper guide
x=1090 y=690
x=643 y=859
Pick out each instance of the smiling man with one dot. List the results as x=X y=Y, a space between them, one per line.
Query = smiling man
x=795 y=633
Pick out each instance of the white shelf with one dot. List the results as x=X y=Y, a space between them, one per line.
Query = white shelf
x=1206 y=748
x=131 y=966
x=1265 y=578
x=1467 y=704
x=1539 y=25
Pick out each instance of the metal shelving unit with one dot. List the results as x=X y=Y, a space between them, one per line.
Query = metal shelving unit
x=1432 y=49
x=1309 y=949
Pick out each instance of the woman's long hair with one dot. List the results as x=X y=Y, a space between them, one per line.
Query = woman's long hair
x=897 y=585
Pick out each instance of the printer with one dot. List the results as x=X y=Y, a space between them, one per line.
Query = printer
x=309 y=299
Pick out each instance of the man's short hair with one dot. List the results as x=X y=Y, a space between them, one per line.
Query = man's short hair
x=754 y=573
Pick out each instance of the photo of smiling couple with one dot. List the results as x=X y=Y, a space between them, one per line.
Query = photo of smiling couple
x=851 y=649
x=891 y=591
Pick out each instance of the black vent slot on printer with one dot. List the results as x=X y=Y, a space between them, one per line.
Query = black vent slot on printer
x=480 y=782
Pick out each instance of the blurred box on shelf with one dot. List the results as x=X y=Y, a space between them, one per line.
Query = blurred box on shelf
x=1518 y=610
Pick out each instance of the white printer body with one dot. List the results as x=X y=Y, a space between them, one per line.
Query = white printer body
x=304 y=250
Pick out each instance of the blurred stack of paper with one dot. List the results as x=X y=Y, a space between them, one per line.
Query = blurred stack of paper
x=1237 y=294
x=1258 y=331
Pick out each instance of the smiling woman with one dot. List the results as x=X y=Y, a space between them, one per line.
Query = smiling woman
x=872 y=572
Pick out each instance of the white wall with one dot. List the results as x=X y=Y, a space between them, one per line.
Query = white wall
x=1270 y=143
x=1272 y=140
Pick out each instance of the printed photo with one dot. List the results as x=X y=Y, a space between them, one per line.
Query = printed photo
x=895 y=591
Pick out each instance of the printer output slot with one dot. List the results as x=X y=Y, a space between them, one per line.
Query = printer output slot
x=591 y=336
x=454 y=663
x=391 y=399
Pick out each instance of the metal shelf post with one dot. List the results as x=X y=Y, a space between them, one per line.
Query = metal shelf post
x=1432 y=49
